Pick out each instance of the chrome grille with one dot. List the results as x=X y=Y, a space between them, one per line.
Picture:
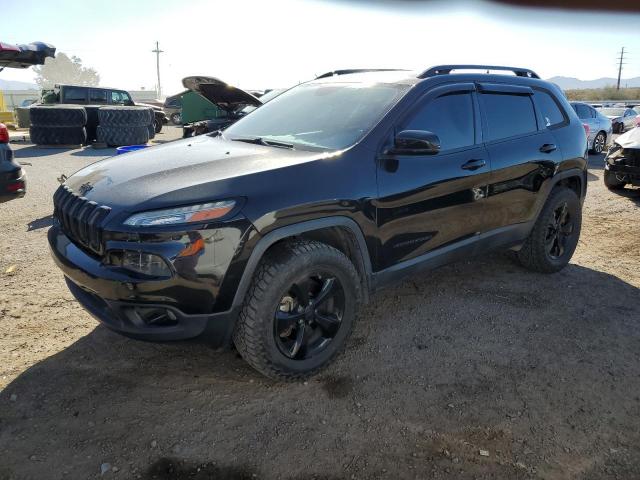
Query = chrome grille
x=80 y=219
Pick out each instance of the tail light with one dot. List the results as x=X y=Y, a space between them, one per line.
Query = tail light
x=4 y=133
x=586 y=129
x=16 y=187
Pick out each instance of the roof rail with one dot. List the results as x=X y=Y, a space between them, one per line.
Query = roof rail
x=446 y=69
x=358 y=70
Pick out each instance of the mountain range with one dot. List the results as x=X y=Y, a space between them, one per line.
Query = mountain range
x=570 y=83
x=15 y=85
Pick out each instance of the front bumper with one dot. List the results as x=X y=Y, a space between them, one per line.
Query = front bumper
x=156 y=310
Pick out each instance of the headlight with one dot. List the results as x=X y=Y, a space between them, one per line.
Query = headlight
x=174 y=216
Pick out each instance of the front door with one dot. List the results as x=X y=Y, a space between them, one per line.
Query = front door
x=430 y=201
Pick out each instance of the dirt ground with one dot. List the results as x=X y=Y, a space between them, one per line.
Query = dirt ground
x=477 y=370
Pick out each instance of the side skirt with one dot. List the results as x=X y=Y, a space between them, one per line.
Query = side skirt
x=500 y=238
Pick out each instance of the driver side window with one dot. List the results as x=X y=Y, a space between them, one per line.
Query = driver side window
x=450 y=117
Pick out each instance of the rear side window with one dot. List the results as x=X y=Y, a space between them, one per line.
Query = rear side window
x=583 y=111
x=450 y=117
x=508 y=115
x=551 y=113
x=75 y=94
x=98 y=96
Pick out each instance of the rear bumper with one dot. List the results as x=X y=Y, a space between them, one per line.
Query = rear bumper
x=112 y=298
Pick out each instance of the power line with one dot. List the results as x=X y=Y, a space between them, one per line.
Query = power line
x=621 y=62
x=157 y=51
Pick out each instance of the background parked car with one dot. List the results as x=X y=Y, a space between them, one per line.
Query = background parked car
x=622 y=118
x=600 y=127
x=173 y=108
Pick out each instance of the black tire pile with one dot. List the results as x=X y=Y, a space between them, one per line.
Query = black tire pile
x=80 y=125
x=58 y=125
x=119 y=126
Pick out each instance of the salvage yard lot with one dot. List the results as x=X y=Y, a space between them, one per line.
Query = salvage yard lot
x=540 y=372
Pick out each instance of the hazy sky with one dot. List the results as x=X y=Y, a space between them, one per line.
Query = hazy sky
x=260 y=44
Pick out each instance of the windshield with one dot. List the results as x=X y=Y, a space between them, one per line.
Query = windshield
x=319 y=116
x=617 y=112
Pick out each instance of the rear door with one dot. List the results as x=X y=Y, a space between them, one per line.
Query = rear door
x=588 y=115
x=521 y=147
x=429 y=201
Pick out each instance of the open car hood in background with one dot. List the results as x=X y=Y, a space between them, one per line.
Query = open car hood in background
x=221 y=94
x=24 y=56
x=631 y=139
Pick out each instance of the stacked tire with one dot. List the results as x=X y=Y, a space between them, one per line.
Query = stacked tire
x=120 y=126
x=58 y=125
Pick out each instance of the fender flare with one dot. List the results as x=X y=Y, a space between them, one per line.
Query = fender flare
x=296 y=229
x=546 y=188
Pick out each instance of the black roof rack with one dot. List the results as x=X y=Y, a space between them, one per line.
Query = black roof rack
x=358 y=70
x=446 y=69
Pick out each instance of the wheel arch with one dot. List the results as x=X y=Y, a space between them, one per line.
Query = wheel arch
x=572 y=178
x=342 y=233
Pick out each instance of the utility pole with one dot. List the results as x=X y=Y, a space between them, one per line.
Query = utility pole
x=620 y=59
x=157 y=51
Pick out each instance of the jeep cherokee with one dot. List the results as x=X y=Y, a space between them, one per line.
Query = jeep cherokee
x=270 y=234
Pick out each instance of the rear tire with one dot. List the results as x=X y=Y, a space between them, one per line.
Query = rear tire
x=268 y=344
x=599 y=143
x=555 y=235
x=612 y=182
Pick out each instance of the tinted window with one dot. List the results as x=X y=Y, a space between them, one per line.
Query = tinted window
x=75 y=94
x=630 y=113
x=98 y=96
x=450 y=117
x=551 y=113
x=508 y=115
x=582 y=110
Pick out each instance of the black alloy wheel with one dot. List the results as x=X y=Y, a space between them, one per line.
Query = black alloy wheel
x=309 y=316
x=559 y=231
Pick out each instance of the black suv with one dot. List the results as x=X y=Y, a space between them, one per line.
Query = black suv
x=271 y=233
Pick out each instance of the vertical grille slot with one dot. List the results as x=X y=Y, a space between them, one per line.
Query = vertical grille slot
x=80 y=219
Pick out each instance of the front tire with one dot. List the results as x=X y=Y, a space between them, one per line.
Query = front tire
x=176 y=119
x=555 y=235
x=612 y=182
x=299 y=311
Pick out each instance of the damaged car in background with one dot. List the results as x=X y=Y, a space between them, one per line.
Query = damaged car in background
x=209 y=104
x=622 y=163
x=13 y=180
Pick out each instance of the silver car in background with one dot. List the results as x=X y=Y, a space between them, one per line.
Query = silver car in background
x=600 y=127
x=622 y=118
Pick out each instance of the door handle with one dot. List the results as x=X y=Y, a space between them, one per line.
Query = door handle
x=548 y=148
x=473 y=164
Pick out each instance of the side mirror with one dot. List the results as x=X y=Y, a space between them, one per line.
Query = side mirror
x=416 y=142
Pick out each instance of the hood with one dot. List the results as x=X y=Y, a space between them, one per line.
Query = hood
x=24 y=56
x=181 y=172
x=631 y=139
x=613 y=117
x=220 y=93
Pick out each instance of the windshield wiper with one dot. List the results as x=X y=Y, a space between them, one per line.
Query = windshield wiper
x=262 y=141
